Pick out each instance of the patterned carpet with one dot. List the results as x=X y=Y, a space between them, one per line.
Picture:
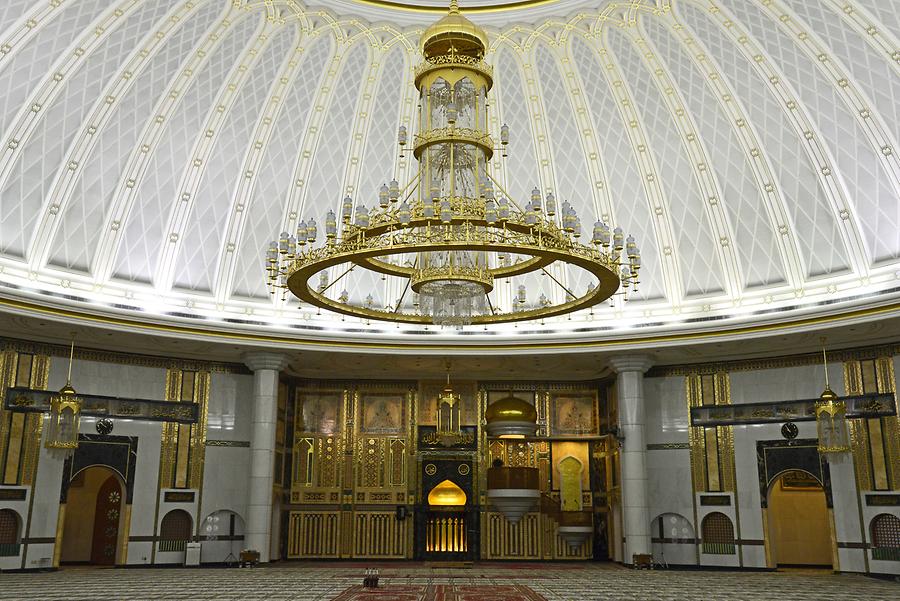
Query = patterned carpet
x=407 y=581
x=441 y=592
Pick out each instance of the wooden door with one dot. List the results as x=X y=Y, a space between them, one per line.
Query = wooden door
x=106 y=523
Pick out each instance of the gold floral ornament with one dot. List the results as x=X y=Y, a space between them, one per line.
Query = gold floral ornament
x=452 y=232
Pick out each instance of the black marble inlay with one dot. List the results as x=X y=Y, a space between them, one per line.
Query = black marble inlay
x=13 y=494
x=882 y=500
x=179 y=496
x=775 y=457
x=429 y=439
x=118 y=453
x=720 y=500
x=458 y=471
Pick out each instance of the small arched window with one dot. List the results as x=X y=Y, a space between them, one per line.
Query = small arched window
x=175 y=530
x=886 y=537
x=9 y=533
x=717 y=534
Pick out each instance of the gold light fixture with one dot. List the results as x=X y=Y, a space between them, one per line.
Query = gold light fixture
x=448 y=411
x=65 y=413
x=831 y=417
x=445 y=238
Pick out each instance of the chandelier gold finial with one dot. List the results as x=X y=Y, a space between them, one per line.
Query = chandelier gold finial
x=453 y=232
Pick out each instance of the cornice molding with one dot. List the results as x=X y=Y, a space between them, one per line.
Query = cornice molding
x=120 y=358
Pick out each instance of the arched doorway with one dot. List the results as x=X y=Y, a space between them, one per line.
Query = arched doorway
x=94 y=514
x=673 y=539
x=222 y=533
x=799 y=530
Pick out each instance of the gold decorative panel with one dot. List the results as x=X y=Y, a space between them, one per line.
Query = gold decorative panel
x=370 y=469
x=318 y=412
x=20 y=433
x=573 y=413
x=514 y=453
x=875 y=441
x=712 y=449
x=183 y=448
x=501 y=539
x=380 y=534
x=314 y=534
x=577 y=450
x=382 y=412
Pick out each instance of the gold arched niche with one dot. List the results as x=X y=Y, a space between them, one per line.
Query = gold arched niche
x=447 y=494
x=570 y=470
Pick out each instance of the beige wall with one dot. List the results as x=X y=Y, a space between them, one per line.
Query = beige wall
x=798 y=526
x=81 y=503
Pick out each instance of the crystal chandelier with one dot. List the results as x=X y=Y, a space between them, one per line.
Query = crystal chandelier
x=452 y=230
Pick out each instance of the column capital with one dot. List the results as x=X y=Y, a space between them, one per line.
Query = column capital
x=262 y=360
x=626 y=363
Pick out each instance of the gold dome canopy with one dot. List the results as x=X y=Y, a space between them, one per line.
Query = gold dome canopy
x=454 y=34
x=510 y=409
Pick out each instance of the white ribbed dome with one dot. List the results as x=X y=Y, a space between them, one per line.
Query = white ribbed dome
x=152 y=148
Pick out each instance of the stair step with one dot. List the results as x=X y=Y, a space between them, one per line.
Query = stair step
x=450 y=564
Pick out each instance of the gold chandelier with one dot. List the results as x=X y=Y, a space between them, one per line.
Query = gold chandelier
x=445 y=234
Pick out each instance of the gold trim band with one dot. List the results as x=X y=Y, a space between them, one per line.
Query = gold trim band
x=293 y=341
x=490 y=8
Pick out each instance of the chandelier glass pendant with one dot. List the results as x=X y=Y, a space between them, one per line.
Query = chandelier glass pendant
x=452 y=231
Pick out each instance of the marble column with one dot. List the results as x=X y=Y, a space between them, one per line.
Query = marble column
x=633 y=453
x=265 y=366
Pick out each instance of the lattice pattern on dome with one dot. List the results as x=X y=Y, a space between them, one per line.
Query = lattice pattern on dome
x=144 y=234
x=324 y=186
x=871 y=71
x=521 y=168
x=752 y=227
x=40 y=156
x=870 y=185
x=885 y=13
x=569 y=158
x=93 y=193
x=702 y=273
x=814 y=221
x=136 y=156
x=24 y=69
x=201 y=244
x=265 y=211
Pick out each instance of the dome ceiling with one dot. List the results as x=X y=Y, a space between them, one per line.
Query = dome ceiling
x=152 y=149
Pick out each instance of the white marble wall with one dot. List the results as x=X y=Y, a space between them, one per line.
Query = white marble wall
x=669 y=470
x=225 y=474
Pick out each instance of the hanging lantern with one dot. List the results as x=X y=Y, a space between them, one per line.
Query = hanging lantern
x=65 y=414
x=448 y=410
x=831 y=423
x=831 y=417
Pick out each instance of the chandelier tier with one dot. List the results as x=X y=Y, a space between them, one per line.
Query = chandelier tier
x=446 y=237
